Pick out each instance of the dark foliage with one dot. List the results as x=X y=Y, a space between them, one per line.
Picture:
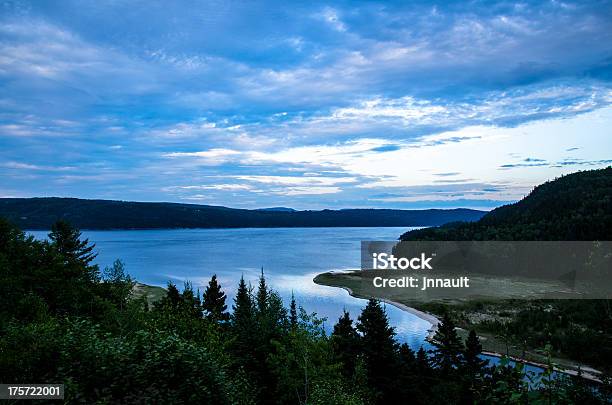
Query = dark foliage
x=573 y=207
x=41 y=213
x=63 y=321
x=213 y=302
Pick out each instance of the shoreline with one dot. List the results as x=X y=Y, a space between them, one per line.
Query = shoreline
x=426 y=316
x=588 y=373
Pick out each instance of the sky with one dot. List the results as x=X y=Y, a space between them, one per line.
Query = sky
x=308 y=105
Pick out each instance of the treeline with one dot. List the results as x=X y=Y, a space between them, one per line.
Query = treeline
x=41 y=213
x=64 y=320
x=580 y=330
x=573 y=207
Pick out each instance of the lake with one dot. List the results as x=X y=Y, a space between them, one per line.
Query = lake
x=290 y=257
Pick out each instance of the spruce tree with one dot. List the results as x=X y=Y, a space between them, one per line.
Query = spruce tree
x=244 y=331
x=424 y=379
x=262 y=294
x=293 y=317
x=214 y=302
x=190 y=301
x=173 y=294
x=67 y=241
x=448 y=346
x=471 y=355
x=276 y=315
x=473 y=368
x=172 y=301
x=422 y=361
x=406 y=355
x=379 y=350
x=345 y=344
x=410 y=388
x=243 y=306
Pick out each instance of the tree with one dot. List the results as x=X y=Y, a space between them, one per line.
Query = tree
x=473 y=368
x=191 y=301
x=345 y=344
x=67 y=241
x=422 y=362
x=471 y=355
x=119 y=284
x=412 y=387
x=243 y=306
x=293 y=316
x=244 y=331
x=172 y=300
x=276 y=316
x=262 y=294
x=380 y=351
x=214 y=302
x=68 y=262
x=448 y=346
x=423 y=368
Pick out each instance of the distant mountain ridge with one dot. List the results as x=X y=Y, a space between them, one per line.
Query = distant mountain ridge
x=280 y=209
x=41 y=213
x=577 y=206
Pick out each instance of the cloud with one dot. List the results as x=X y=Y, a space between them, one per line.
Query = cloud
x=292 y=180
x=223 y=187
x=27 y=166
x=261 y=104
x=297 y=191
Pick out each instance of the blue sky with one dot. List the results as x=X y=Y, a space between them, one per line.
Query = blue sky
x=309 y=105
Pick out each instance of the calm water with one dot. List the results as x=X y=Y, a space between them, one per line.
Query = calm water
x=291 y=257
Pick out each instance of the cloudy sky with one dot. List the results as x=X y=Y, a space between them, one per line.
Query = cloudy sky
x=306 y=105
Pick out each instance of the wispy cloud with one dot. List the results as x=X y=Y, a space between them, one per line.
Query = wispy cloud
x=305 y=105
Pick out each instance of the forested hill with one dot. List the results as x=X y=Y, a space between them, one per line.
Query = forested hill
x=41 y=213
x=573 y=207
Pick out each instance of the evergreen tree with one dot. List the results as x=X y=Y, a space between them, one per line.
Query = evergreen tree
x=293 y=316
x=473 y=368
x=379 y=350
x=214 y=302
x=406 y=355
x=411 y=386
x=243 y=306
x=271 y=323
x=345 y=344
x=424 y=373
x=448 y=346
x=276 y=315
x=67 y=241
x=190 y=301
x=471 y=355
x=422 y=362
x=262 y=294
x=244 y=334
x=172 y=301
x=173 y=295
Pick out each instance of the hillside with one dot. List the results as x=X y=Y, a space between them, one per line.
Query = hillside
x=40 y=213
x=573 y=207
